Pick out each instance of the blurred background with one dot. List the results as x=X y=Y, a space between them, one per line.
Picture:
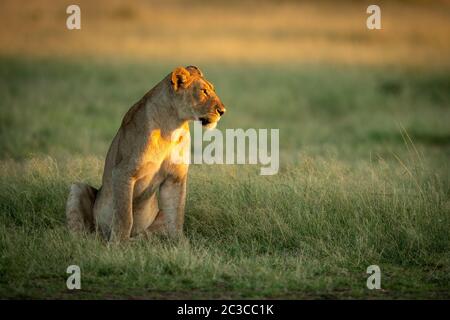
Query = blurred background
x=310 y=68
x=413 y=32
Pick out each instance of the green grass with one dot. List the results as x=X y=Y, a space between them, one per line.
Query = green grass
x=364 y=180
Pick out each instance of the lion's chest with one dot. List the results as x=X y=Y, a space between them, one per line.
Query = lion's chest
x=163 y=158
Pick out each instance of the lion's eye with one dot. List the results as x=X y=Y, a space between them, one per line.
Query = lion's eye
x=205 y=92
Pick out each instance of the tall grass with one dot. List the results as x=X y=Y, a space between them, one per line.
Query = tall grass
x=309 y=231
x=363 y=180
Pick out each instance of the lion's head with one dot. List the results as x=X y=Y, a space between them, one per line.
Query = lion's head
x=195 y=97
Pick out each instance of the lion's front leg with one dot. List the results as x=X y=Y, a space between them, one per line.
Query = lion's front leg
x=172 y=198
x=122 y=206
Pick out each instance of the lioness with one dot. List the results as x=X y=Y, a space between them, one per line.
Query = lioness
x=139 y=162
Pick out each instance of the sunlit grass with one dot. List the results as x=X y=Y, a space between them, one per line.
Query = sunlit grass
x=310 y=231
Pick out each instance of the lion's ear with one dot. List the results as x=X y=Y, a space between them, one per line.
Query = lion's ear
x=180 y=76
x=193 y=70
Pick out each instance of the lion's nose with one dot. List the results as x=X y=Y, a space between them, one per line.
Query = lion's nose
x=221 y=110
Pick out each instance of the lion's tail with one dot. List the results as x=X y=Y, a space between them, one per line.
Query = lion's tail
x=79 y=208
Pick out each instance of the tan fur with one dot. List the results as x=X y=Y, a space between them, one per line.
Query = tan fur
x=79 y=207
x=139 y=162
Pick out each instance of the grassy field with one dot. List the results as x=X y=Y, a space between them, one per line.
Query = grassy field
x=364 y=180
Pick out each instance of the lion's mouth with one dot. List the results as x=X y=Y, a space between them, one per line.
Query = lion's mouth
x=205 y=121
x=209 y=123
x=209 y=120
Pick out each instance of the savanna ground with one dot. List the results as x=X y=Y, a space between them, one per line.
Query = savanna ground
x=364 y=142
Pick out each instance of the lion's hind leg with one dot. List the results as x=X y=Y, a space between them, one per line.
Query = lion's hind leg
x=79 y=208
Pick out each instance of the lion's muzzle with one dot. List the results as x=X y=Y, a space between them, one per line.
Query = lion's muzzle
x=214 y=116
